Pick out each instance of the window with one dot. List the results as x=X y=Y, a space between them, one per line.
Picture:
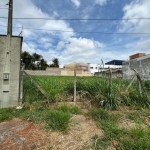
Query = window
x=95 y=67
x=91 y=67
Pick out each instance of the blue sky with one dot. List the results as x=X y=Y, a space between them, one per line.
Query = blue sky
x=73 y=46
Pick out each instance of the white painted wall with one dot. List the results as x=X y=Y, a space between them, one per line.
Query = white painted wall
x=94 y=67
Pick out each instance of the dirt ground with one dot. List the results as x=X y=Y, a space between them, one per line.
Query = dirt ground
x=19 y=134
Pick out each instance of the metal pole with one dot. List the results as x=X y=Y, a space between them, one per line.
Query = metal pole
x=10 y=15
x=6 y=70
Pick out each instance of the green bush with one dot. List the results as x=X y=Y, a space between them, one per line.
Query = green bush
x=58 y=120
x=6 y=114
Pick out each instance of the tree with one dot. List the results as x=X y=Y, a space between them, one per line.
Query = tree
x=55 y=62
x=34 y=61
x=43 y=64
x=26 y=59
x=37 y=57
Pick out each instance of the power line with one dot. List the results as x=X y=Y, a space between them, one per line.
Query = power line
x=81 y=19
x=4 y=5
x=86 y=32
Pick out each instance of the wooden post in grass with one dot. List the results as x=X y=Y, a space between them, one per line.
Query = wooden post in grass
x=39 y=88
x=139 y=86
x=74 y=87
x=142 y=85
x=130 y=83
x=21 y=85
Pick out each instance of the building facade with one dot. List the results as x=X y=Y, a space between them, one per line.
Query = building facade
x=10 y=71
x=140 y=63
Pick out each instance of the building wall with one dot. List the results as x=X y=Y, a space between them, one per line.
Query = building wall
x=116 y=73
x=58 y=72
x=141 y=64
x=95 y=67
x=53 y=72
x=13 y=94
x=78 y=73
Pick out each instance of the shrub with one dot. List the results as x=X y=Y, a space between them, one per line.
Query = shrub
x=6 y=114
x=58 y=120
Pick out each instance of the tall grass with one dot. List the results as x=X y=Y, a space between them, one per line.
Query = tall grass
x=135 y=138
x=99 y=90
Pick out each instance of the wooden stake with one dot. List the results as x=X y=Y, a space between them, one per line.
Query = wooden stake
x=142 y=85
x=74 y=87
x=21 y=85
x=39 y=88
x=130 y=83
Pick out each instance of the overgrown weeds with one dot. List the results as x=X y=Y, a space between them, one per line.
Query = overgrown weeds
x=101 y=92
x=55 y=119
x=133 y=138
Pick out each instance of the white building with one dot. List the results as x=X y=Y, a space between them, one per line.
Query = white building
x=97 y=67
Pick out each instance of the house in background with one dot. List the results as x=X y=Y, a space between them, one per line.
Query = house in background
x=140 y=62
x=114 y=65
x=81 y=69
x=93 y=68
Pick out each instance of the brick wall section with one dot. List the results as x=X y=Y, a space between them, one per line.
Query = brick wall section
x=137 y=55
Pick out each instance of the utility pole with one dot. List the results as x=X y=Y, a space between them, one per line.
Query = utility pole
x=10 y=15
x=6 y=70
x=10 y=52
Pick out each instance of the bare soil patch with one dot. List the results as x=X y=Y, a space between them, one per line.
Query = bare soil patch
x=18 y=134
x=78 y=137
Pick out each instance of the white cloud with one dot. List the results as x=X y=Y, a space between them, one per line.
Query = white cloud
x=76 y=2
x=27 y=9
x=81 y=50
x=101 y=2
x=142 y=45
x=60 y=45
x=136 y=9
x=27 y=48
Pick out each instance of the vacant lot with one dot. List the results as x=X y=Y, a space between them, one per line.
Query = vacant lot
x=126 y=128
x=109 y=117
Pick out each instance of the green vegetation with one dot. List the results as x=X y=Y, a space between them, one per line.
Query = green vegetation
x=105 y=96
x=98 y=90
x=115 y=135
x=5 y=114
x=55 y=119
x=34 y=61
x=58 y=120
x=55 y=63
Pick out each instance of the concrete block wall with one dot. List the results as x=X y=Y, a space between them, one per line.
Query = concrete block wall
x=106 y=74
x=16 y=44
x=57 y=72
x=141 y=64
x=54 y=72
